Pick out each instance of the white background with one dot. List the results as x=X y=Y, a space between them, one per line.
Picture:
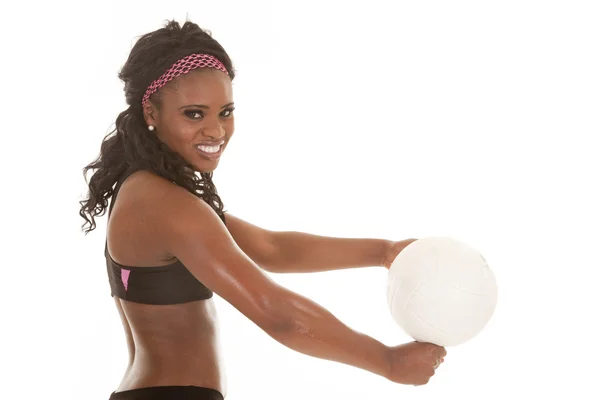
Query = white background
x=390 y=119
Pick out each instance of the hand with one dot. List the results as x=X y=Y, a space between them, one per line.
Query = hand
x=393 y=250
x=414 y=363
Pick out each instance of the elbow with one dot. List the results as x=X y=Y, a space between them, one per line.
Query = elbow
x=269 y=311
x=280 y=314
x=270 y=265
x=267 y=260
x=271 y=258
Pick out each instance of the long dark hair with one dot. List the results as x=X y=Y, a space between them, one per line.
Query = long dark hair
x=130 y=144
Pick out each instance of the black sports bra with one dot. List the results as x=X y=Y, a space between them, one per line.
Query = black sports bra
x=168 y=284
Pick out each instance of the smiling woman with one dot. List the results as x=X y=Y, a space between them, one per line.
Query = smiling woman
x=168 y=248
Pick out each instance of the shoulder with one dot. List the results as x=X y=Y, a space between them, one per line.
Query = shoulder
x=149 y=198
x=164 y=202
x=143 y=183
x=147 y=210
x=145 y=189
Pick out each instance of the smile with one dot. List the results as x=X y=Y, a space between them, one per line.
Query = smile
x=211 y=152
x=209 y=149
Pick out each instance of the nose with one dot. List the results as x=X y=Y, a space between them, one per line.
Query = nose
x=214 y=131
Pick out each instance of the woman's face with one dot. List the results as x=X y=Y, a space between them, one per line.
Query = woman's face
x=195 y=118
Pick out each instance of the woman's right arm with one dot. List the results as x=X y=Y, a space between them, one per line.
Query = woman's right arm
x=195 y=235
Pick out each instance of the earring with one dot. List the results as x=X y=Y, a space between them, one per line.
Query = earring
x=151 y=127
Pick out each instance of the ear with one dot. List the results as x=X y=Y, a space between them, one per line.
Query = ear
x=150 y=114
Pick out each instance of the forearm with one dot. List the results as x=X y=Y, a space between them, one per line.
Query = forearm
x=303 y=252
x=312 y=330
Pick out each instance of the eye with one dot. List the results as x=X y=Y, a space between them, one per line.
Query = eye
x=228 y=110
x=191 y=114
x=198 y=114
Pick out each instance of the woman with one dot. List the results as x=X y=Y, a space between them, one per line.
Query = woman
x=170 y=247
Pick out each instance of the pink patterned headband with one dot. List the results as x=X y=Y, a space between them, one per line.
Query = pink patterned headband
x=181 y=67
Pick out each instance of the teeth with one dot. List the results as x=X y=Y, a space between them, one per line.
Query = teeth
x=209 y=149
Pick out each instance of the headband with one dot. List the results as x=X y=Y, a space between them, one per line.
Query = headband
x=182 y=67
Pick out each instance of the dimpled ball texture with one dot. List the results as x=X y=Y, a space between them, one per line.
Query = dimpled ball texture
x=441 y=291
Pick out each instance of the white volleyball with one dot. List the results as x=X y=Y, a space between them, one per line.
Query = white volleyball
x=442 y=291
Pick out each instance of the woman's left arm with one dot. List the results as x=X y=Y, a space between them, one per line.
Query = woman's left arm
x=297 y=252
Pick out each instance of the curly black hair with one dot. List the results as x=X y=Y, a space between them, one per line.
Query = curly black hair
x=130 y=145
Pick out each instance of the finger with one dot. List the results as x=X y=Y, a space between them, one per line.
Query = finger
x=437 y=354
x=441 y=352
x=422 y=382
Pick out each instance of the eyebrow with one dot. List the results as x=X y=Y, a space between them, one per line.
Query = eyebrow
x=203 y=106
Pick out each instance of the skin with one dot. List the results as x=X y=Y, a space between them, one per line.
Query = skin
x=155 y=223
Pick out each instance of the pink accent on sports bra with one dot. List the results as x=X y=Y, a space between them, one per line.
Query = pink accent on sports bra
x=125 y=277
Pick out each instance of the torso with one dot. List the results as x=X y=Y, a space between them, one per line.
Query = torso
x=168 y=344
x=172 y=345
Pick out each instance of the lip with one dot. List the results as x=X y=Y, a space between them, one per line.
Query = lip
x=211 y=156
x=211 y=143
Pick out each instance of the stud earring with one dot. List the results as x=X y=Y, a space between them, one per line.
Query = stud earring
x=151 y=127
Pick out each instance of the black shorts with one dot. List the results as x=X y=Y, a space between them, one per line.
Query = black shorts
x=168 y=392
